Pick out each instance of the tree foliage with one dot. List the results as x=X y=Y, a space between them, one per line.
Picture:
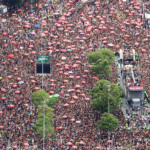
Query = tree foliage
x=101 y=61
x=51 y=101
x=108 y=122
x=38 y=99
x=48 y=111
x=101 y=96
x=49 y=127
x=39 y=96
x=102 y=54
x=101 y=68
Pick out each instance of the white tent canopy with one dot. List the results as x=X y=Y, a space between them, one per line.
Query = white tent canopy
x=147 y=16
x=3 y=9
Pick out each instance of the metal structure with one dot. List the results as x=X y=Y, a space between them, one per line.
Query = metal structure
x=132 y=77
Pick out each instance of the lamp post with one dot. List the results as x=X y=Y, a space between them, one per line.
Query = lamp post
x=108 y=110
x=108 y=99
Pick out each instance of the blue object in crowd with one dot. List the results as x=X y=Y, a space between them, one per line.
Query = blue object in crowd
x=31 y=11
x=36 y=26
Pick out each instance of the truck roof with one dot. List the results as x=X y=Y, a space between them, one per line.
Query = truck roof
x=135 y=88
x=135 y=99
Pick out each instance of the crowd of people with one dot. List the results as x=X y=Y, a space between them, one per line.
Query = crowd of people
x=66 y=31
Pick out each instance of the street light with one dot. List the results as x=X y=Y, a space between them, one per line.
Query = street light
x=108 y=98
x=108 y=109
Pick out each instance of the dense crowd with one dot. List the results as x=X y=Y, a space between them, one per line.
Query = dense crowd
x=66 y=31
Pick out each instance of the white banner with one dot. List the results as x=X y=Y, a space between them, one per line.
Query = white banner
x=147 y=16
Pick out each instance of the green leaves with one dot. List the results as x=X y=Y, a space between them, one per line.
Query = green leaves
x=108 y=122
x=51 y=101
x=101 y=61
x=101 y=95
x=38 y=99
x=39 y=96
x=49 y=127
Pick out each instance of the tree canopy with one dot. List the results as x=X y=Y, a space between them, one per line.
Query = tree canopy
x=39 y=96
x=101 y=95
x=38 y=99
x=101 y=54
x=49 y=127
x=101 y=61
x=107 y=122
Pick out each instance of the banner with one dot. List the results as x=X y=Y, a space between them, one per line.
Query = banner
x=147 y=16
x=43 y=59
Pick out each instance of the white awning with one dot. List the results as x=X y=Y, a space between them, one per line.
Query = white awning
x=147 y=16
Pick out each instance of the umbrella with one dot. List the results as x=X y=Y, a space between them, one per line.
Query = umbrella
x=31 y=11
x=18 y=79
x=3 y=90
x=69 y=90
x=10 y=55
x=75 y=97
x=56 y=95
x=52 y=84
x=67 y=95
x=109 y=141
x=26 y=144
x=26 y=104
x=71 y=77
x=64 y=117
x=87 y=99
x=72 y=120
x=17 y=92
x=63 y=58
x=32 y=124
x=71 y=102
x=56 y=13
x=65 y=105
x=74 y=147
x=1 y=127
x=81 y=143
x=143 y=50
x=21 y=82
x=69 y=143
x=3 y=98
x=36 y=88
x=36 y=26
x=83 y=82
x=15 y=146
x=69 y=50
x=10 y=106
x=33 y=81
x=4 y=33
x=77 y=86
x=78 y=77
x=98 y=147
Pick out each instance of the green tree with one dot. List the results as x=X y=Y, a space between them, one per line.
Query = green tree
x=102 y=54
x=49 y=127
x=48 y=111
x=101 y=95
x=107 y=122
x=122 y=93
x=51 y=101
x=39 y=96
x=102 y=69
x=101 y=61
